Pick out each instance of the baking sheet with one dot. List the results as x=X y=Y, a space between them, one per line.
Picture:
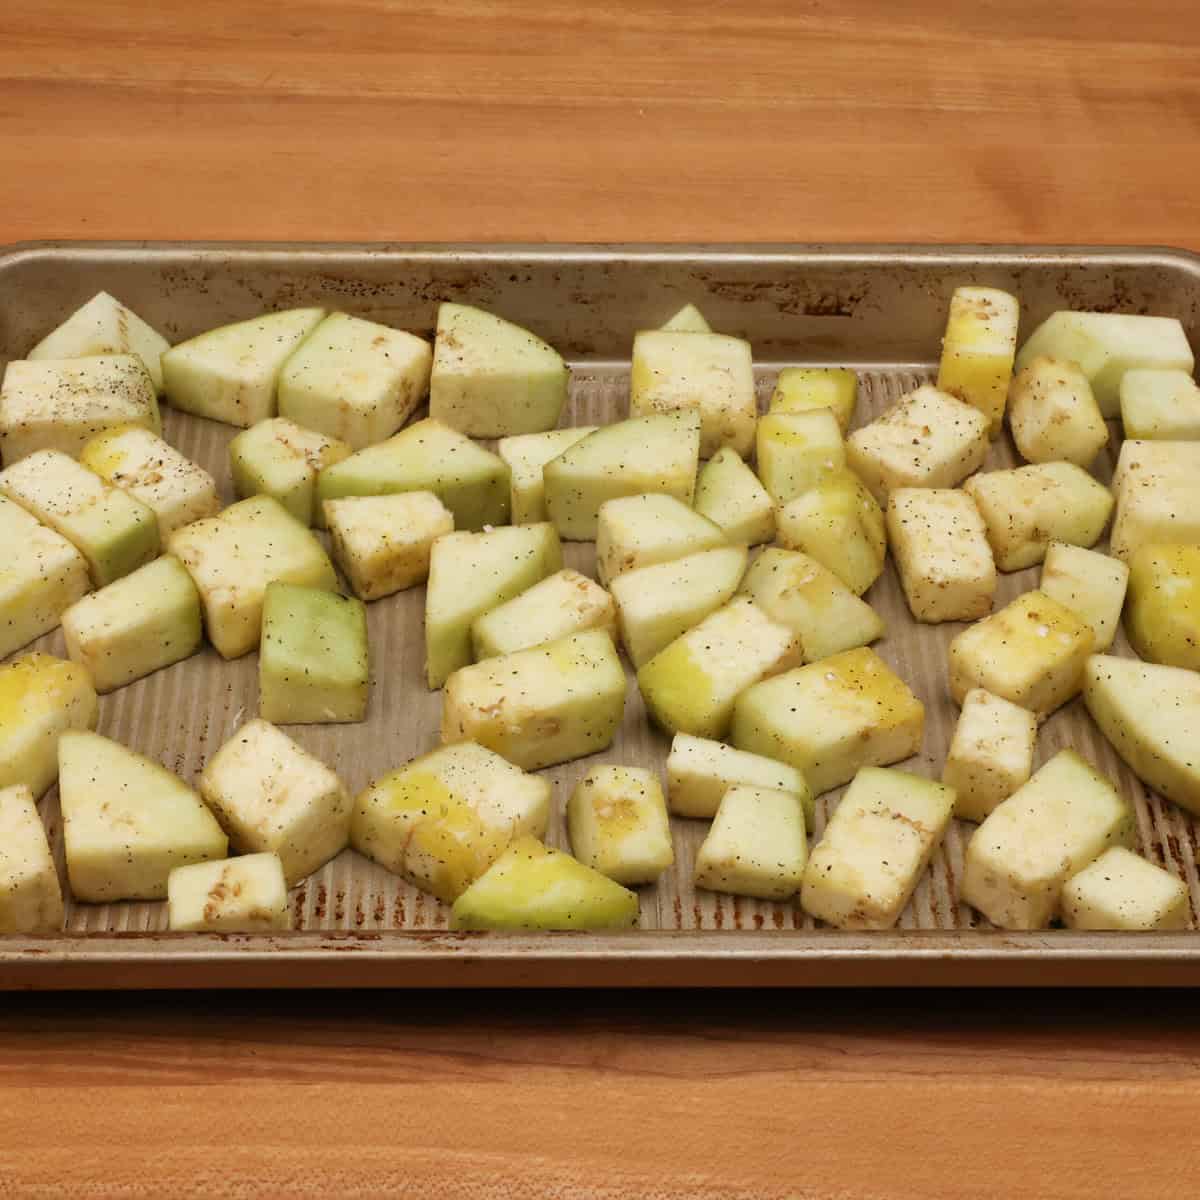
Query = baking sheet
x=796 y=306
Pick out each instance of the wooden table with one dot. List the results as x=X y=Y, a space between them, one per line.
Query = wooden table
x=813 y=121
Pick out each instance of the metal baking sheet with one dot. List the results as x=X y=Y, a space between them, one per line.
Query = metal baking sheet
x=879 y=309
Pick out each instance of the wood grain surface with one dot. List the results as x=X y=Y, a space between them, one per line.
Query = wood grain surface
x=809 y=121
x=670 y=1097
x=812 y=120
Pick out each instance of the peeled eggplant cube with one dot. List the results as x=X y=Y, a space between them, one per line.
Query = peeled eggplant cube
x=1106 y=345
x=425 y=457
x=1162 y=405
x=247 y=894
x=531 y=886
x=113 y=530
x=1090 y=584
x=230 y=374
x=560 y=605
x=1031 y=652
x=272 y=796
x=141 y=463
x=1157 y=485
x=1149 y=713
x=691 y=686
x=526 y=455
x=655 y=605
x=1144 y=464
x=617 y=819
x=978 y=350
x=234 y=556
x=1162 y=617
x=127 y=822
x=30 y=894
x=1019 y=859
x=798 y=592
x=689 y=319
x=492 y=378
x=313 y=664
x=730 y=495
x=42 y=577
x=639 y=531
x=1027 y=508
x=942 y=554
x=104 y=326
x=831 y=718
x=279 y=458
x=756 y=845
x=802 y=389
x=707 y=373
x=839 y=524
x=1121 y=890
x=60 y=405
x=472 y=573
x=991 y=754
x=641 y=455
x=1053 y=415
x=542 y=706
x=796 y=451
x=136 y=625
x=875 y=848
x=928 y=438
x=355 y=381
x=700 y=772
x=443 y=819
x=383 y=543
x=40 y=697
